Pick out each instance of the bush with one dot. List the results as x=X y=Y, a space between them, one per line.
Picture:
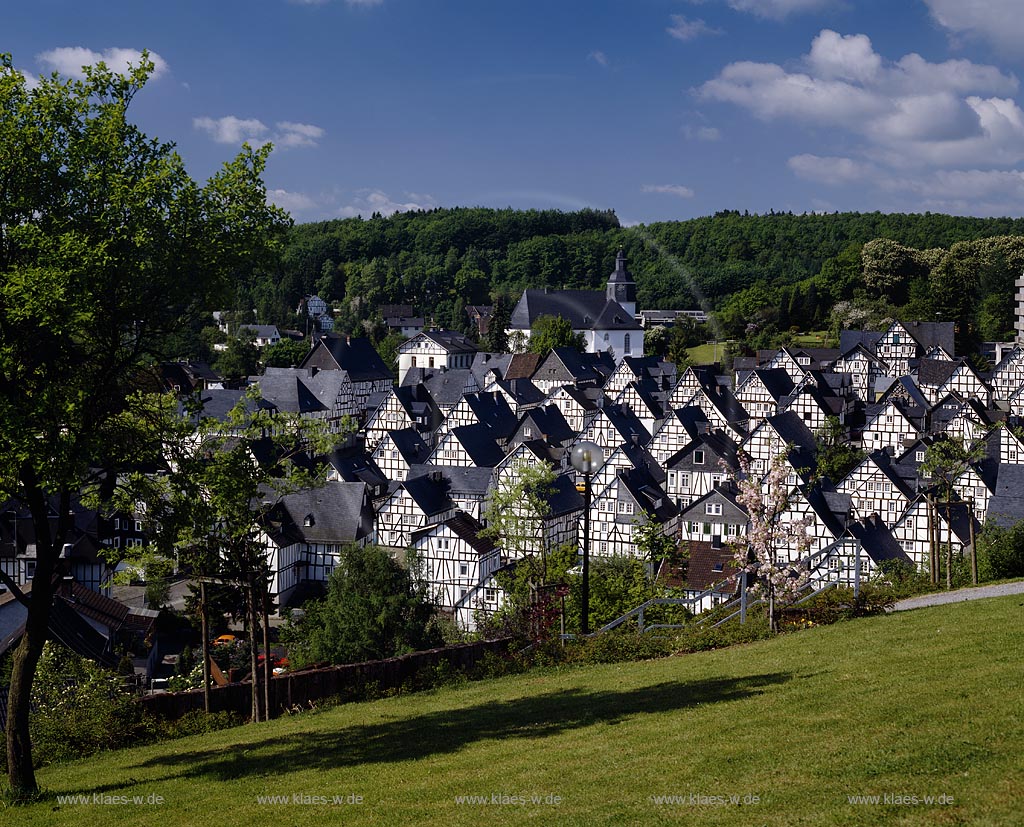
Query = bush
x=618 y=646
x=838 y=604
x=80 y=709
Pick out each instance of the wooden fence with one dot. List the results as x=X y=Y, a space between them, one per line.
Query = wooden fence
x=301 y=689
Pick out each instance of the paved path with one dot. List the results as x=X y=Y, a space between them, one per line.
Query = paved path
x=960 y=595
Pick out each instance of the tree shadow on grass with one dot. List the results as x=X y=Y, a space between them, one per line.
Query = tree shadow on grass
x=450 y=730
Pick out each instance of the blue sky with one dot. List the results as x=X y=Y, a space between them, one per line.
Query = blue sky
x=659 y=109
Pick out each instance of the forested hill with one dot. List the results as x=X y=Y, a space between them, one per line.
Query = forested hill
x=441 y=260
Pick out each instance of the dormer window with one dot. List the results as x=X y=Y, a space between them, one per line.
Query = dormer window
x=698 y=457
x=309 y=521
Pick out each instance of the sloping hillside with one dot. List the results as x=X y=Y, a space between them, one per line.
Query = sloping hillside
x=923 y=703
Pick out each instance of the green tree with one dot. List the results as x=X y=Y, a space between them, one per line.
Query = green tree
x=285 y=354
x=106 y=246
x=374 y=609
x=836 y=457
x=944 y=461
x=549 y=332
x=516 y=511
x=242 y=357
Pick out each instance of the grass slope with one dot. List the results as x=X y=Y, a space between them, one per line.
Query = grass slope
x=919 y=703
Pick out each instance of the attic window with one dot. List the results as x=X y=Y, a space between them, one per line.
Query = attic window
x=308 y=521
x=717 y=567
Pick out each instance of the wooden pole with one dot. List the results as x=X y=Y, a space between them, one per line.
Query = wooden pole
x=267 y=669
x=974 y=548
x=203 y=615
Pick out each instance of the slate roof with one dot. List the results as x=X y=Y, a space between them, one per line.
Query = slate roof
x=338 y=513
x=218 y=403
x=284 y=389
x=452 y=341
x=935 y=372
x=548 y=422
x=484 y=362
x=626 y=424
x=868 y=339
x=478 y=441
x=876 y=540
x=649 y=495
x=459 y=479
x=466 y=528
x=523 y=392
x=776 y=380
x=356 y=356
x=356 y=465
x=1006 y=507
x=580 y=307
x=446 y=387
x=930 y=334
x=565 y=499
x=410 y=445
x=492 y=410
x=429 y=492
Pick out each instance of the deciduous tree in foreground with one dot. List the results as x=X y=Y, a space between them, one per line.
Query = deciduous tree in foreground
x=106 y=245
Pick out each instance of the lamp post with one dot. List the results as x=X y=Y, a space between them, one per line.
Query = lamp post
x=586 y=457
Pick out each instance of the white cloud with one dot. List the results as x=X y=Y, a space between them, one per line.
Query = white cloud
x=669 y=189
x=69 y=60
x=599 y=58
x=907 y=112
x=291 y=201
x=778 y=9
x=368 y=202
x=292 y=134
x=702 y=133
x=233 y=130
x=999 y=22
x=847 y=57
x=685 y=29
x=829 y=170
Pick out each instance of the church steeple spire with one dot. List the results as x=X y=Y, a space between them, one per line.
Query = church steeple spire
x=621 y=287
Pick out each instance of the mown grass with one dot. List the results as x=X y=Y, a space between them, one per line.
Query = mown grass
x=926 y=702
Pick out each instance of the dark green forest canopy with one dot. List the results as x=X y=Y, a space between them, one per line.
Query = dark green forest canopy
x=441 y=260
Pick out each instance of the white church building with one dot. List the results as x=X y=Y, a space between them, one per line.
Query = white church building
x=607 y=320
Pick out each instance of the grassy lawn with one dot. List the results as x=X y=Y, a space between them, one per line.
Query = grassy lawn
x=927 y=702
x=705 y=354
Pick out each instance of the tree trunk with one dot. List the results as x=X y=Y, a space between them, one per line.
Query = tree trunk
x=254 y=668
x=20 y=774
x=203 y=614
x=949 y=538
x=267 y=669
x=974 y=549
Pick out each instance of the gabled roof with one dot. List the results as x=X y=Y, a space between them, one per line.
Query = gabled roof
x=568 y=364
x=478 y=442
x=466 y=528
x=285 y=389
x=716 y=443
x=724 y=494
x=564 y=499
x=775 y=380
x=429 y=492
x=626 y=424
x=450 y=340
x=459 y=479
x=849 y=339
x=549 y=423
x=614 y=317
x=709 y=566
x=523 y=366
x=1006 y=507
x=446 y=387
x=876 y=540
x=831 y=507
x=791 y=429
x=484 y=362
x=355 y=465
x=334 y=513
x=930 y=334
x=491 y=409
x=935 y=372
x=356 y=356
x=649 y=494
x=523 y=392
x=410 y=445
x=580 y=307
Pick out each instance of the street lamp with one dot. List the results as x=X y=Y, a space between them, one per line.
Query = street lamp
x=586 y=457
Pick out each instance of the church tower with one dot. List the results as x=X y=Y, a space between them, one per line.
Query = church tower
x=621 y=287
